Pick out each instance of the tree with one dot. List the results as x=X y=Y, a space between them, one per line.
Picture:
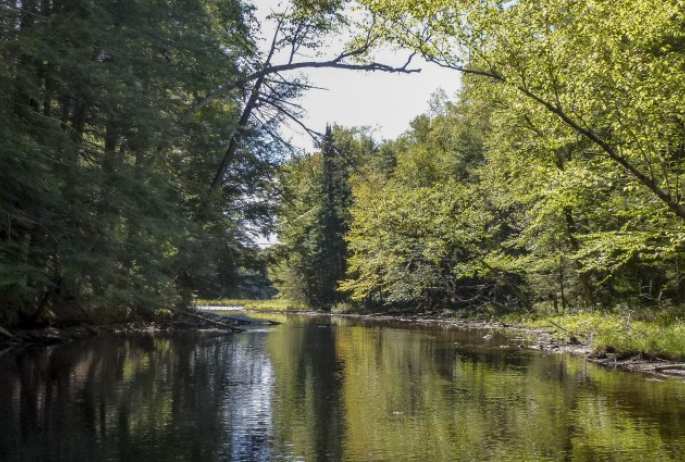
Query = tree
x=588 y=98
x=99 y=175
x=301 y=27
x=314 y=219
x=422 y=233
x=565 y=59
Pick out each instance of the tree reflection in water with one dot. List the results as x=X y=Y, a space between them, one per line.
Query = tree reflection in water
x=138 y=399
x=329 y=389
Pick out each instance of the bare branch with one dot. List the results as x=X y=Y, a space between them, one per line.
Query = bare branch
x=274 y=42
x=300 y=85
x=335 y=63
x=276 y=92
x=274 y=134
x=269 y=99
x=316 y=136
x=465 y=70
x=235 y=139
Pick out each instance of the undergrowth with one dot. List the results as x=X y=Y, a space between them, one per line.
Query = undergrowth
x=655 y=336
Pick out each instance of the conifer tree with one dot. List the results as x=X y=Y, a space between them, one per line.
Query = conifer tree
x=334 y=195
x=314 y=220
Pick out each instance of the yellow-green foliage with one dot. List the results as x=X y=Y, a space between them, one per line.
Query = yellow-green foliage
x=621 y=333
x=256 y=305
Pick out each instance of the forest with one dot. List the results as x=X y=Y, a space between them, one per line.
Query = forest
x=141 y=159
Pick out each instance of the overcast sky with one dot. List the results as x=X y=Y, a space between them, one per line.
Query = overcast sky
x=387 y=102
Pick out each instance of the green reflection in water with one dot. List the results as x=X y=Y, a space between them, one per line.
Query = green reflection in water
x=389 y=393
x=329 y=389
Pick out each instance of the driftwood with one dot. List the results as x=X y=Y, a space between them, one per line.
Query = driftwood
x=667 y=367
x=647 y=366
x=210 y=321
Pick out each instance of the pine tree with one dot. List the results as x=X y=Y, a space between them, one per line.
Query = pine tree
x=314 y=219
x=333 y=248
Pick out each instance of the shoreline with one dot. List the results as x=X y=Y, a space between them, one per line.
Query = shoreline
x=178 y=322
x=208 y=322
x=538 y=339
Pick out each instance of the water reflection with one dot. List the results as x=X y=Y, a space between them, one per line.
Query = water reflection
x=309 y=414
x=327 y=389
x=248 y=413
x=144 y=398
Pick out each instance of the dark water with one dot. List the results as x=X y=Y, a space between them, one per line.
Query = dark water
x=348 y=391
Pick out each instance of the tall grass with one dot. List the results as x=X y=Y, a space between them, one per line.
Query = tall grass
x=275 y=305
x=627 y=337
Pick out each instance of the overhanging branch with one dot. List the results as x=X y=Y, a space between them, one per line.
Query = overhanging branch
x=336 y=63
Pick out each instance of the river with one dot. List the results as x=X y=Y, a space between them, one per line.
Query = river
x=330 y=389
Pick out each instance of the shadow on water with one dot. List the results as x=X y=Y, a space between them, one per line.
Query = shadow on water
x=329 y=389
x=309 y=377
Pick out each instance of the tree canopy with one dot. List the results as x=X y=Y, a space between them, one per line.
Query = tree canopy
x=141 y=156
x=102 y=181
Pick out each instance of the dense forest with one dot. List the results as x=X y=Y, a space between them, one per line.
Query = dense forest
x=141 y=158
x=105 y=172
x=552 y=181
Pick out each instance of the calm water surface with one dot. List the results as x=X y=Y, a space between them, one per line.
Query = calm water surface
x=328 y=389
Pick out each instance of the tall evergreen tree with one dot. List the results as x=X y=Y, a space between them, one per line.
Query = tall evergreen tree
x=314 y=219
x=333 y=248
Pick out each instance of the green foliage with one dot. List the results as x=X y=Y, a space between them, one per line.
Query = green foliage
x=620 y=333
x=102 y=184
x=310 y=258
x=410 y=244
x=581 y=151
x=422 y=231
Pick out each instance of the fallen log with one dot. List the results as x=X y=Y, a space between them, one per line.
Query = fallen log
x=210 y=321
x=668 y=366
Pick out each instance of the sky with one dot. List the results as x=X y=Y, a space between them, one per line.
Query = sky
x=384 y=101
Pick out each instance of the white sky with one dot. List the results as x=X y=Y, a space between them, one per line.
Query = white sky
x=387 y=102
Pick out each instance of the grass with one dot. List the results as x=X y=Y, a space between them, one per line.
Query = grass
x=618 y=333
x=659 y=336
x=275 y=305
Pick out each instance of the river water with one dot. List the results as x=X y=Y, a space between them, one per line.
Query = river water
x=330 y=389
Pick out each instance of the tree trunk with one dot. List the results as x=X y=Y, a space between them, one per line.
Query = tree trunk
x=235 y=139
